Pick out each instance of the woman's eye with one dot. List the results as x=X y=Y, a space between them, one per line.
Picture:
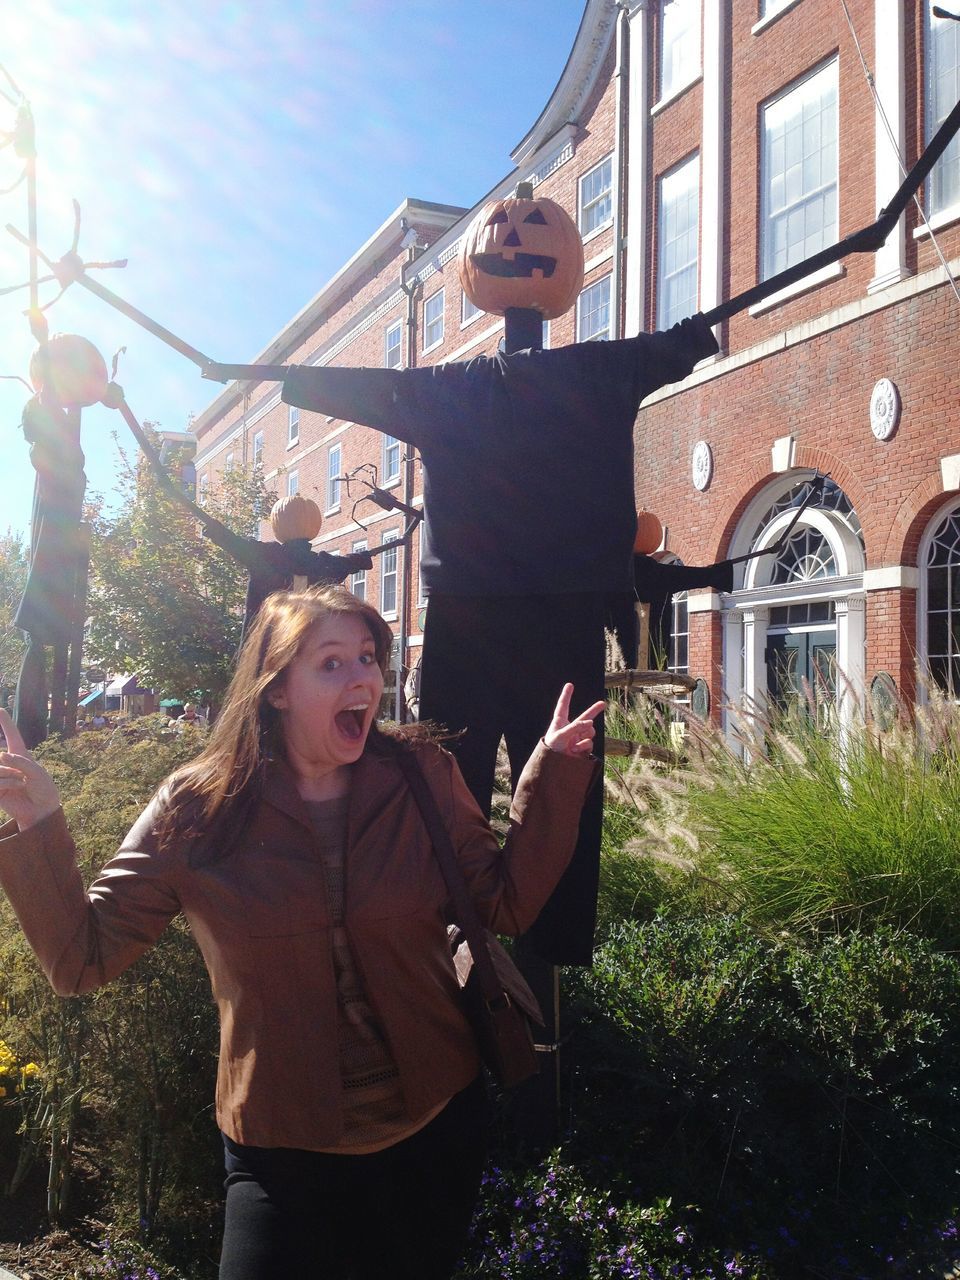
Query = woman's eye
x=331 y=664
x=368 y=659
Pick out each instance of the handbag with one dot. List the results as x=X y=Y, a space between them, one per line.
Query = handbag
x=499 y=1004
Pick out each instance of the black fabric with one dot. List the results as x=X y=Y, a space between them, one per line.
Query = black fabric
x=528 y=457
x=655 y=584
x=494 y=667
x=403 y=1212
x=272 y=566
x=529 y=525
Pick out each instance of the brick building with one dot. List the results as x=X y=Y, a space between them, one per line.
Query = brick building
x=704 y=145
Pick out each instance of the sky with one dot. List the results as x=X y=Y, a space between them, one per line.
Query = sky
x=238 y=154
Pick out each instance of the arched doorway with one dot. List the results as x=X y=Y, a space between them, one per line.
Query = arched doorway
x=794 y=624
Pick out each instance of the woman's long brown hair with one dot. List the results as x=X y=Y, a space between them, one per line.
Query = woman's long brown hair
x=246 y=733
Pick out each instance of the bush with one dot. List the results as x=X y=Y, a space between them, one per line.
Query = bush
x=804 y=1095
x=134 y=1063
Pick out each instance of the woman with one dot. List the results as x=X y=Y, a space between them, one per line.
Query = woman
x=348 y=1091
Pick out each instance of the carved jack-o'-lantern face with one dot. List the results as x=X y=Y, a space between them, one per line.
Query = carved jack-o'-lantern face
x=522 y=252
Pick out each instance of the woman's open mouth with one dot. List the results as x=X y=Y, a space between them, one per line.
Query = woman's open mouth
x=351 y=721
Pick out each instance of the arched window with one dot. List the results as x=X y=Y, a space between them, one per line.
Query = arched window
x=794 y=624
x=942 y=564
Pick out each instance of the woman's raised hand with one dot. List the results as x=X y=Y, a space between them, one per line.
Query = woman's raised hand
x=27 y=792
x=572 y=737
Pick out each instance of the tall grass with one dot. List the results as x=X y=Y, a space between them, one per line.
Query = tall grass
x=813 y=829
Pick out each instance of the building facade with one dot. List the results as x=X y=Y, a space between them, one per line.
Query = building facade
x=702 y=146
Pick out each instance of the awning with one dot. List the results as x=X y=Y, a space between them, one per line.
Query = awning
x=91 y=697
x=171 y=702
x=120 y=685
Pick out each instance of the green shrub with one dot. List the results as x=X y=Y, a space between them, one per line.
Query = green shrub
x=132 y=1065
x=805 y=1095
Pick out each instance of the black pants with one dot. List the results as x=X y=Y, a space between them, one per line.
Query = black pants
x=494 y=666
x=404 y=1212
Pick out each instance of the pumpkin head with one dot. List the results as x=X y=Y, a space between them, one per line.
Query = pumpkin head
x=295 y=517
x=523 y=251
x=72 y=367
x=649 y=533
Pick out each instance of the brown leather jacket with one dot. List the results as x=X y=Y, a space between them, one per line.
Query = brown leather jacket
x=260 y=916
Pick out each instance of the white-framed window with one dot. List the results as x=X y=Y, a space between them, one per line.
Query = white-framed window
x=941 y=90
x=393 y=346
x=293 y=424
x=202 y=492
x=546 y=335
x=334 y=457
x=468 y=309
x=799 y=176
x=392 y=457
x=596 y=197
x=358 y=579
x=293 y=483
x=389 y=561
x=940 y=595
x=593 y=312
x=433 y=320
x=679 y=45
x=258 y=448
x=678 y=226
x=228 y=461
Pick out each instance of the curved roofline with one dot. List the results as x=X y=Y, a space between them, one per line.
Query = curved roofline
x=577 y=79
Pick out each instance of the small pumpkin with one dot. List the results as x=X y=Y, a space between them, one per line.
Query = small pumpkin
x=73 y=367
x=295 y=517
x=649 y=533
x=522 y=251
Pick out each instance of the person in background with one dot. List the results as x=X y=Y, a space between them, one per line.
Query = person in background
x=349 y=1091
x=192 y=716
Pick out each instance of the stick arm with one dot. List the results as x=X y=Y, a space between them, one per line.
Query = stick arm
x=216 y=531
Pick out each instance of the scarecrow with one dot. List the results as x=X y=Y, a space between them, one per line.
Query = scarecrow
x=530 y=519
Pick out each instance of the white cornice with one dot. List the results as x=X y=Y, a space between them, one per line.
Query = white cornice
x=576 y=81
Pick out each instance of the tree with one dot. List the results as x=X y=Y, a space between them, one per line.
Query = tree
x=14 y=565
x=164 y=602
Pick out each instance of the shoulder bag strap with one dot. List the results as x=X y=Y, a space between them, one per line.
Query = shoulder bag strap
x=467 y=918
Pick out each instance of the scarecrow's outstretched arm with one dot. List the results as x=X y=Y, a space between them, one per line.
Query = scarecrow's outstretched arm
x=215 y=529
x=867 y=240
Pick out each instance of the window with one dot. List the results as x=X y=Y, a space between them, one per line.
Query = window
x=468 y=310
x=433 y=320
x=943 y=605
x=228 y=461
x=258 y=449
x=593 y=312
x=546 y=335
x=333 y=477
x=596 y=200
x=799 y=172
x=388 y=576
x=392 y=457
x=293 y=483
x=293 y=424
x=358 y=580
x=677 y=234
x=393 y=346
x=942 y=91
x=679 y=45
x=204 y=480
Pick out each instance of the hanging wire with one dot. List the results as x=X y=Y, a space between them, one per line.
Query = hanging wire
x=868 y=75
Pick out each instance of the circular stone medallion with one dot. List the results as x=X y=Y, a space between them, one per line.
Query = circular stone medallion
x=884 y=409
x=702 y=465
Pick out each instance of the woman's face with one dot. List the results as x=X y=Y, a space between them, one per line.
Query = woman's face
x=329 y=695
